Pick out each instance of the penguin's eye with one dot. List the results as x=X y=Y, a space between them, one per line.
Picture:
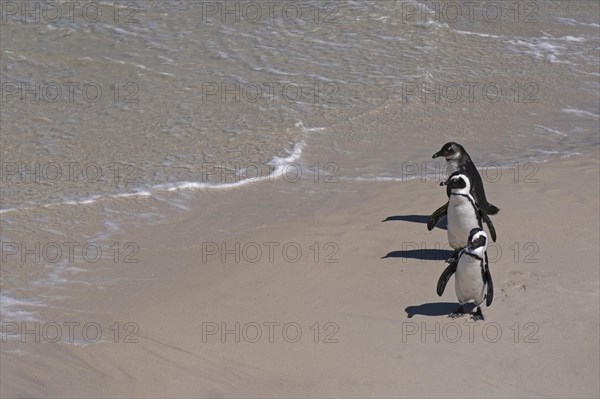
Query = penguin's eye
x=479 y=240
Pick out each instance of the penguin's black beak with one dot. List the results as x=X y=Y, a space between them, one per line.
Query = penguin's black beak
x=444 y=183
x=437 y=154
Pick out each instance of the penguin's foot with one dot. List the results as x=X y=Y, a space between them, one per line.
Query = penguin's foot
x=460 y=312
x=478 y=315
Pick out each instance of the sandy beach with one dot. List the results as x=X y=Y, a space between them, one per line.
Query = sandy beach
x=360 y=316
x=227 y=200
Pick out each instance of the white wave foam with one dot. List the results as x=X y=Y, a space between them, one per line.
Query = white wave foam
x=279 y=165
x=580 y=112
x=571 y=21
x=479 y=34
x=540 y=48
x=547 y=129
x=308 y=129
x=572 y=39
x=13 y=309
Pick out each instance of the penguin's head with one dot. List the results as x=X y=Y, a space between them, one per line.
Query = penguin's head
x=450 y=151
x=458 y=183
x=477 y=241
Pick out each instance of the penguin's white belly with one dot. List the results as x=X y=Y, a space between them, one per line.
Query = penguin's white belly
x=461 y=220
x=469 y=283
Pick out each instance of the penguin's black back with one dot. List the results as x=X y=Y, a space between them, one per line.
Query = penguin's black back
x=467 y=167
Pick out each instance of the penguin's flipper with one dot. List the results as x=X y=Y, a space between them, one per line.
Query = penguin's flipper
x=488 y=221
x=491 y=209
x=436 y=216
x=446 y=274
x=477 y=190
x=487 y=277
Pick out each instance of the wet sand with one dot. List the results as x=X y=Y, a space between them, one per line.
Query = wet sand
x=382 y=329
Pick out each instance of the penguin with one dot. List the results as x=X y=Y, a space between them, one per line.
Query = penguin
x=458 y=160
x=473 y=281
x=463 y=213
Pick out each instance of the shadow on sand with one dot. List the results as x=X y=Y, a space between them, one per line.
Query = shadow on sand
x=432 y=309
x=439 y=255
x=442 y=224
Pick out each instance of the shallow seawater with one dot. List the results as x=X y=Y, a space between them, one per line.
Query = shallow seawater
x=157 y=94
